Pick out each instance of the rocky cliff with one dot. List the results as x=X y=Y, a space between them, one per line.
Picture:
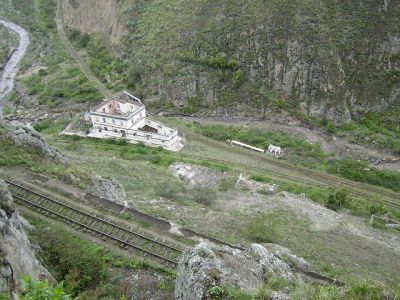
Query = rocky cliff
x=94 y=16
x=17 y=255
x=208 y=269
x=325 y=58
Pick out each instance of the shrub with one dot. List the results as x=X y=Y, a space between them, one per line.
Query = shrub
x=217 y=292
x=203 y=194
x=71 y=259
x=227 y=183
x=41 y=290
x=169 y=189
x=337 y=200
x=262 y=229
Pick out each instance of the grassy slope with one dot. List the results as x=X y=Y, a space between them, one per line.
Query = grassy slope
x=334 y=252
x=62 y=81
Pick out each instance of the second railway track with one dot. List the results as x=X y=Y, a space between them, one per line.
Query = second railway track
x=148 y=247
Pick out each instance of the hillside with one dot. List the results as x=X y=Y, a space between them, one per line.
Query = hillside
x=326 y=59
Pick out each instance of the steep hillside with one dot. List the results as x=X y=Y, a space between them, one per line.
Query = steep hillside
x=324 y=58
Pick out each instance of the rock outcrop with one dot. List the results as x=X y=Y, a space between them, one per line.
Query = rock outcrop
x=17 y=254
x=25 y=135
x=109 y=189
x=196 y=174
x=94 y=16
x=208 y=266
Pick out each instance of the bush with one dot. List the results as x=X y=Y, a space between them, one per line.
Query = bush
x=203 y=194
x=41 y=290
x=217 y=292
x=338 y=200
x=227 y=183
x=71 y=259
x=360 y=171
x=262 y=229
x=169 y=189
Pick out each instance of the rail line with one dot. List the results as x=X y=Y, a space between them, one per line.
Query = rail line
x=314 y=178
x=148 y=247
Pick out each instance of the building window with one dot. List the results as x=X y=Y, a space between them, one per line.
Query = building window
x=104 y=120
x=104 y=110
x=113 y=121
x=115 y=130
x=105 y=129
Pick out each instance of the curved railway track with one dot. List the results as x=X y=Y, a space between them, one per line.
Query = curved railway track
x=309 y=177
x=149 y=248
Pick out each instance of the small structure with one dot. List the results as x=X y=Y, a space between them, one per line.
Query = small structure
x=274 y=150
x=124 y=117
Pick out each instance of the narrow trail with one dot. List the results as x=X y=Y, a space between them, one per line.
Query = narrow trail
x=11 y=67
x=75 y=55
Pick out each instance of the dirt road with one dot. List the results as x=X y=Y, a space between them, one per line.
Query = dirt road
x=11 y=67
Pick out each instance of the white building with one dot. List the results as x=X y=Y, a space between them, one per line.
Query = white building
x=124 y=117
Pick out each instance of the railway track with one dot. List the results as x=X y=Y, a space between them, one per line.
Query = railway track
x=308 y=177
x=148 y=247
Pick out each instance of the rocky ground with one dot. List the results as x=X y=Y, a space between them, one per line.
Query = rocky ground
x=196 y=174
x=17 y=254
x=207 y=270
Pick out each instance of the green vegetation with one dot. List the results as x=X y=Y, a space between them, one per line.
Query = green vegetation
x=299 y=151
x=170 y=189
x=203 y=194
x=360 y=171
x=40 y=290
x=84 y=267
x=56 y=78
x=267 y=228
x=296 y=149
x=176 y=41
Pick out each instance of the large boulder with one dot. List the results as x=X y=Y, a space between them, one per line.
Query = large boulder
x=196 y=174
x=206 y=267
x=17 y=254
x=25 y=135
x=109 y=189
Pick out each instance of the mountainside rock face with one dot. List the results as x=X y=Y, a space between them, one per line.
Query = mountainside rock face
x=94 y=16
x=206 y=267
x=109 y=189
x=333 y=59
x=17 y=255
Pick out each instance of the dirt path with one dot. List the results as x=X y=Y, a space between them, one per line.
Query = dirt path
x=85 y=69
x=11 y=67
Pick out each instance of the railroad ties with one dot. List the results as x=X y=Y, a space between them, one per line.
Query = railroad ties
x=148 y=247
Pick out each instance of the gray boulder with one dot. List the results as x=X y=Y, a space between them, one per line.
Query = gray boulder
x=109 y=189
x=25 y=135
x=207 y=266
x=17 y=254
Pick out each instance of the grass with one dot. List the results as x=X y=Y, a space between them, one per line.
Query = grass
x=85 y=267
x=59 y=80
x=298 y=151
x=334 y=252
